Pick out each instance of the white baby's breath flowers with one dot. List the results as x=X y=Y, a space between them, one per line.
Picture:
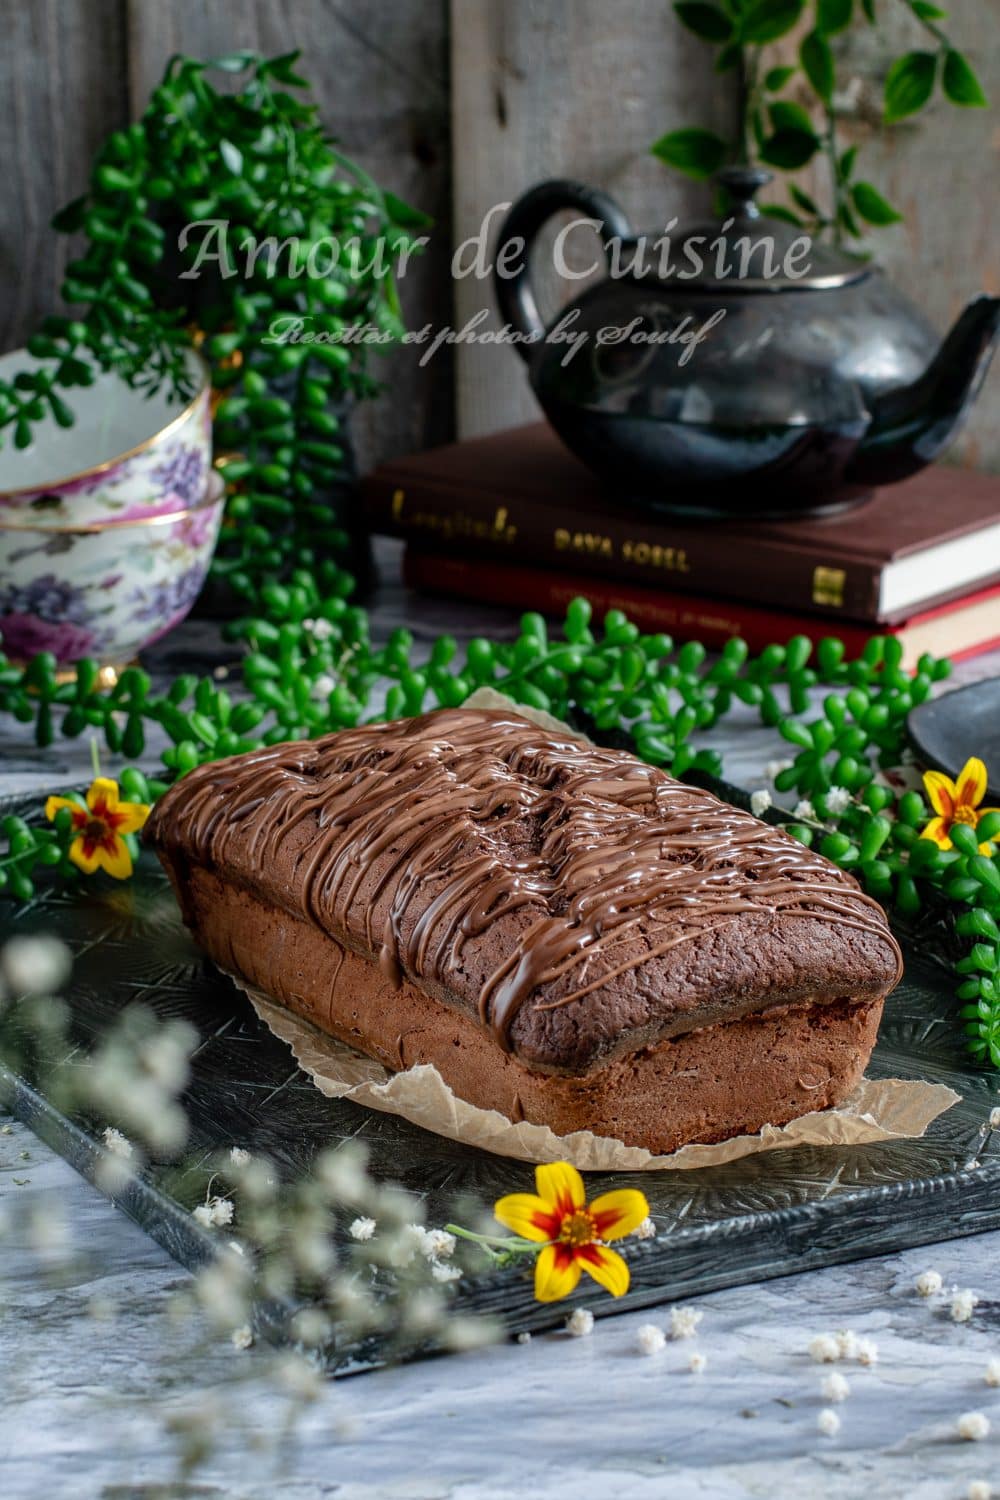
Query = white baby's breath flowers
x=979 y=1489
x=116 y=1143
x=684 y=1322
x=828 y=1422
x=835 y=1387
x=301 y=1378
x=438 y=1244
x=524 y=1338
x=580 y=1322
x=239 y=1156
x=650 y=1339
x=973 y=1426
x=342 y=1172
x=362 y=1229
x=320 y=630
x=995 y=1118
x=838 y=800
x=242 y=1337
x=992 y=1374
x=698 y=1362
x=34 y=965
x=760 y=801
x=322 y=687
x=847 y=1343
x=804 y=809
x=963 y=1305
x=441 y=1272
x=928 y=1283
x=824 y=1349
x=775 y=767
x=214 y=1214
x=867 y=1352
x=646 y=1230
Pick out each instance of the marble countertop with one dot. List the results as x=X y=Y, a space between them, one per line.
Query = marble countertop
x=98 y=1374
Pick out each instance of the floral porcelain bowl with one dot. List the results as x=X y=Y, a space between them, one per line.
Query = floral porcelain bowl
x=127 y=456
x=107 y=589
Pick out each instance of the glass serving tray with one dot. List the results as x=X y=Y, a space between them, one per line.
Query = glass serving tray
x=767 y=1215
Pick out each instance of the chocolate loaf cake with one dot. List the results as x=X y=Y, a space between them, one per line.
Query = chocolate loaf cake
x=569 y=935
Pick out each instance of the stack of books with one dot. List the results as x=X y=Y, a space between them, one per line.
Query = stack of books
x=515 y=519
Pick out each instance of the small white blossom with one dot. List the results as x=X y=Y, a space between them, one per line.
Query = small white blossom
x=646 y=1230
x=847 y=1343
x=215 y=1213
x=760 y=801
x=928 y=1283
x=321 y=630
x=804 y=809
x=962 y=1305
x=995 y=1119
x=775 y=767
x=992 y=1375
x=442 y=1272
x=35 y=965
x=300 y=1377
x=650 y=1339
x=828 y=1422
x=973 y=1426
x=684 y=1322
x=979 y=1489
x=116 y=1143
x=824 y=1349
x=323 y=686
x=220 y=673
x=580 y=1322
x=242 y=1337
x=838 y=800
x=239 y=1157
x=438 y=1244
x=362 y=1229
x=698 y=1362
x=835 y=1387
x=867 y=1352
x=236 y=1247
x=524 y=1338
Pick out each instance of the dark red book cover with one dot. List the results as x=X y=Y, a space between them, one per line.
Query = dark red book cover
x=521 y=497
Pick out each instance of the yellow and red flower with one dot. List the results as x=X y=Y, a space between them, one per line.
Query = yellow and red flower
x=572 y=1231
x=956 y=802
x=100 y=827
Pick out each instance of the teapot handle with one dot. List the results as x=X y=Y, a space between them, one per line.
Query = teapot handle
x=514 y=292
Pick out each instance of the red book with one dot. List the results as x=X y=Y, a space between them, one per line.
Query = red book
x=961 y=628
x=521 y=497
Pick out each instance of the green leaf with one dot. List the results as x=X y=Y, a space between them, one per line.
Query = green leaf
x=961 y=84
x=834 y=15
x=847 y=163
x=817 y=64
x=924 y=11
x=849 y=222
x=788 y=116
x=872 y=207
x=730 y=56
x=909 y=85
x=698 y=153
x=404 y=214
x=775 y=80
x=233 y=62
x=767 y=20
x=232 y=156
x=706 y=21
x=781 y=211
x=802 y=200
x=789 y=149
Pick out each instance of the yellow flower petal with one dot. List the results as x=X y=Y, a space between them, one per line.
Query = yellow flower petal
x=937 y=829
x=557 y=1274
x=972 y=783
x=102 y=789
x=117 y=860
x=942 y=793
x=130 y=816
x=527 y=1215
x=85 y=862
x=561 y=1186
x=607 y=1268
x=54 y=805
x=619 y=1213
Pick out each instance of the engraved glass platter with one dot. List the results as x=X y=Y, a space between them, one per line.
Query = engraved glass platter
x=765 y=1215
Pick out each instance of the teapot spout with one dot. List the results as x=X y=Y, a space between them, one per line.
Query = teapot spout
x=911 y=427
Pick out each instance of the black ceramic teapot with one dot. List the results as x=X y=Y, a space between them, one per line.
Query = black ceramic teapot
x=737 y=367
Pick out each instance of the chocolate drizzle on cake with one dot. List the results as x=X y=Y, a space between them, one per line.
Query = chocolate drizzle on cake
x=492 y=814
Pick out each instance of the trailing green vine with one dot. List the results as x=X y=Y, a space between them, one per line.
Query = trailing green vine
x=786 y=133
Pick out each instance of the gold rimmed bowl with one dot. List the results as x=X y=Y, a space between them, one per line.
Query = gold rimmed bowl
x=104 y=589
x=129 y=455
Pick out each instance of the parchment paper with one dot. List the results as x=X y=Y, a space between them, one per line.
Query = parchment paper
x=879 y=1109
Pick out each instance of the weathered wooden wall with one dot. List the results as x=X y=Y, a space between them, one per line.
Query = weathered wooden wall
x=458 y=106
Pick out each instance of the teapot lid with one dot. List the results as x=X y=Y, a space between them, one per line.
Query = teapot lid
x=748 y=251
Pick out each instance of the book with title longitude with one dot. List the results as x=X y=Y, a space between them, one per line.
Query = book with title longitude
x=521 y=497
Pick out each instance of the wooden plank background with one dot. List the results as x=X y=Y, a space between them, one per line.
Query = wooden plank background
x=460 y=106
